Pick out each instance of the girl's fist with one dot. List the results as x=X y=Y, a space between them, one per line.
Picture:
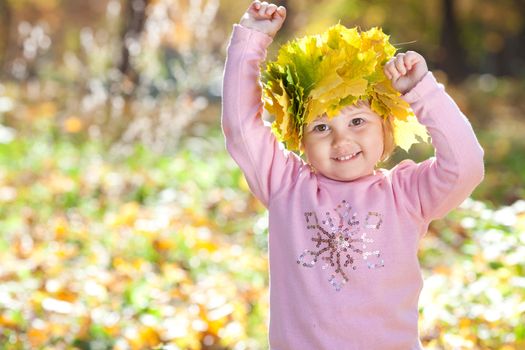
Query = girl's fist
x=405 y=70
x=264 y=17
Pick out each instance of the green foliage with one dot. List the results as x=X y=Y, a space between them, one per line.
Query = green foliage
x=114 y=254
x=171 y=250
x=474 y=295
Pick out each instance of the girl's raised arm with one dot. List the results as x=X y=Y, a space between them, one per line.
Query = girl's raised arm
x=439 y=184
x=267 y=167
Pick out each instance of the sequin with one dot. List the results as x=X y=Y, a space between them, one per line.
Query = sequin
x=340 y=243
x=378 y=220
x=337 y=283
x=301 y=259
x=307 y=216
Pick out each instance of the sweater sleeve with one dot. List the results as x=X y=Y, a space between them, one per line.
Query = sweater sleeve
x=439 y=184
x=268 y=168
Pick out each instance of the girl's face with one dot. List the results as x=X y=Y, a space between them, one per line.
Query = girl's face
x=347 y=146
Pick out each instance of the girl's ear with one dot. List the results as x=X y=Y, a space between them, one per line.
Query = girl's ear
x=301 y=150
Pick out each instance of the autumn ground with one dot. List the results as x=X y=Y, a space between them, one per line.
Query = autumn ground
x=169 y=251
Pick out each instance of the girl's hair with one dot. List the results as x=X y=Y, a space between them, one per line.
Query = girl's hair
x=388 y=138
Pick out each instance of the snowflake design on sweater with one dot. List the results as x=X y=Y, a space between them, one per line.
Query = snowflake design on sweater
x=341 y=243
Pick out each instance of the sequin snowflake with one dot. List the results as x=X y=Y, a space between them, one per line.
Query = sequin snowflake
x=341 y=242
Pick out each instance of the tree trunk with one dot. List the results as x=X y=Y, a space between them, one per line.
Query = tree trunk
x=511 y=59
x=134 y=19
x=451 y=54
x=5 y=26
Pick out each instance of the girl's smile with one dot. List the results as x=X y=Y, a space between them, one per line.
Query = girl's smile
x=345 y=158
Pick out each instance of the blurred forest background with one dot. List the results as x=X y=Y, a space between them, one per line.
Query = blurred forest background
x=125 y=225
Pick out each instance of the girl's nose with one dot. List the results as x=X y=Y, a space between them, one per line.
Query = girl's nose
x=341 y=138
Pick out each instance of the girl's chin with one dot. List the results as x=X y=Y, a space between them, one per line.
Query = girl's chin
x=347 y=177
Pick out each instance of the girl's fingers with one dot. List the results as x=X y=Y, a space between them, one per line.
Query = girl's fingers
x=405 y=69
x=266 y=10
x=391 y=70
x=400 y=63
x=411 y=58
x=262 y=9
x=271 y=9
x=407 y=62
x=254 y=8
x=394 y=74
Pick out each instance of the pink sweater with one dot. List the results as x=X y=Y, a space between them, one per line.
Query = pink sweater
x=344 y=271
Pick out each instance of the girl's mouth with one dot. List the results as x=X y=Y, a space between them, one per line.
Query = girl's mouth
x=346 y=157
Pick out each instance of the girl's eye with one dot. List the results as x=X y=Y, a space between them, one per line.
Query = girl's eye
x=357 y=121
x=321 y=127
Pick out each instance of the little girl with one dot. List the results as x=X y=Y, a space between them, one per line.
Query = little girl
x=343 y=234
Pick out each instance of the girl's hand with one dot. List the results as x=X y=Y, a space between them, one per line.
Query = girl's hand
x=405 y=70
x=264 y=17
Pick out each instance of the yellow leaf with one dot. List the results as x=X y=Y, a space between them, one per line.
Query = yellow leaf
x=163 y=244
x=315 y=109
x=405 y=132
x=325 y=103
x=73 y=124
x=145 y=338
x=38 y=334
x=113 y=330
x=465 y=323
x=206 y=245
x=127 y=215
x=61 y=229
x=65 y=294
x=328 y=83
x=443 y=270
x=8 y=322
